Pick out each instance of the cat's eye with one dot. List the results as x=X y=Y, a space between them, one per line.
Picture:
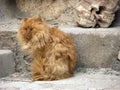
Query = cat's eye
x=25 y=28
x=30 y=28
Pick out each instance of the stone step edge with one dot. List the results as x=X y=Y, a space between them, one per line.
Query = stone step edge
x=77 y=30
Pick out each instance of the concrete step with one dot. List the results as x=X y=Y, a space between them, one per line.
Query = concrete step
x=7 y=64
x=95 y=47
x=84 y=79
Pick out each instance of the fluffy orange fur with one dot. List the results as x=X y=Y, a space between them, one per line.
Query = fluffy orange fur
x=52 y=50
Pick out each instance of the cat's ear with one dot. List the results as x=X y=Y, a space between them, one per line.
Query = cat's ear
x=40 y=19
x=25 y=19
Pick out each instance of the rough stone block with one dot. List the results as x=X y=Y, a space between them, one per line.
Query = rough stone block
x=7 y=64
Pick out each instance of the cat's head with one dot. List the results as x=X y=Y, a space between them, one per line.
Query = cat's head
x=31 y=26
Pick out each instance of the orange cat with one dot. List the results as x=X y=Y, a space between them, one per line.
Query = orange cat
x=52 y=50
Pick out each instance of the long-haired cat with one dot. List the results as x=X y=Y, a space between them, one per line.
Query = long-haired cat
x=52 y=50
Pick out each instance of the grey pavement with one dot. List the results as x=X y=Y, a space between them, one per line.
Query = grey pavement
x=90 y=79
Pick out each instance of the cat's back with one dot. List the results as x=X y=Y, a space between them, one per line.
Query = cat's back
x=56 y=33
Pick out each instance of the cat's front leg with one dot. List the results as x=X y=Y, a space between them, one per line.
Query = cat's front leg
x=39 y=66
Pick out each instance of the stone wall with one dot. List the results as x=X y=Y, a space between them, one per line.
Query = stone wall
x=65 y=12
x=60 y=12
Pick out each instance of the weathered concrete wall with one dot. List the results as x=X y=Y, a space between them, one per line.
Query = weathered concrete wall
x=9 y=10
x=116 y=22
x=96 y=48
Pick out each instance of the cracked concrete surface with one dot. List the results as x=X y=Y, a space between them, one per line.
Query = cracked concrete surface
x=84 y=79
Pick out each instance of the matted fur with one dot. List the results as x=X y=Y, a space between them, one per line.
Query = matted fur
x=52 y=50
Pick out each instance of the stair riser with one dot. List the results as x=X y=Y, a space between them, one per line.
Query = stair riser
x=7 y=64
x=95 y=49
